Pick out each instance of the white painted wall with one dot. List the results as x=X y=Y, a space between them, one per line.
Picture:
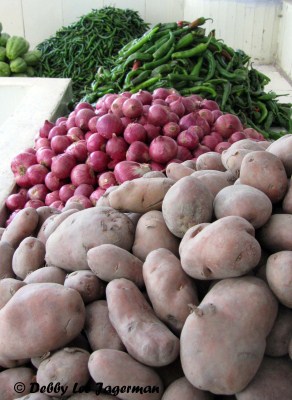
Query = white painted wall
x=262 y=28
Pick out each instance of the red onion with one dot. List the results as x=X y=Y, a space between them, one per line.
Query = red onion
x=116 y=148
x=227 y=124
x=87 y=135
x=156 y=166
x=116 y=107
x=83 y=117
x=171 y=129
x=82 y=173
x=197 y=130
x=36 y=174
x=160 y=93
x=222 y=146
x=42 y=142
x=236 y=136
x=45 y=129
x=109 y=99
x=86 y=203
x=66 y=191
x=188 y=139
x=162 y=149
x=217 y=136
x=61 y=120
x=190 y=103
x=106 y=180
x=52 y=182
x=57 y=130
x=15 y=202
x=216 y=114
x=111 y=165
x=210 y=142
x=128 y=170
x=38 y=192
x=160 y=102
x=187 y=121
x=78 y=150
x=146 y=109
x=126 y=121
x=100 y=112
x=109 y=124
x=96 y=195
x=142 y=120
x=158 y=115
x=60 y=143
x=75 y=134
x=152 y=131
x=178 y=107
x=84 y=189
x=173 y=117
x=207 y=115
x=70 y=123
x=21 y=162
x=132 y=108
x=201 y=149
x=92 y=123
x=23 y=192
x=251 y=133
x=58 y=204
x=171 y=98
x=139 y=152
x=34 y=204
x=209 y=104
x=98 y=161
x=22 y=179
x=96 y=142
x=82 y=105
x=62 y=165
x=51 y=197
x=126 y=94
x=135 y=132
x=143 y=96
x=183 y=153
x=30 y=150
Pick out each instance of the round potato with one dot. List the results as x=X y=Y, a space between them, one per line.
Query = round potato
x=14 y=379
x=89 y=286
x=279 y=337
x=210 y=160
x=49 y=274
x=6 y=256
x=232 y=160
x=276 y=234
x=28 y=257
x=182 y=389
x=177 y=171
x=8 y=287
x=214 y=180
x=282 y=148
x=51 y=224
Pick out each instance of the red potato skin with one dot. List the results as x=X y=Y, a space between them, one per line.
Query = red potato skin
x=49 y=274
x=51 y=224
x=177 y=171
x=282 y=148
x=8 y=287
x=10 y=377
x=215 y=180
x=276 y=234
x=233 y=359
x=6 y=256
x=182 y=389
x=29 y=256
x=145 y=337
x=89 y=286
x=210 y=161
x=279 y=337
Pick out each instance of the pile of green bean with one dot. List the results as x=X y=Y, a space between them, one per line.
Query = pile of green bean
x=182 y=56
x=76 y=51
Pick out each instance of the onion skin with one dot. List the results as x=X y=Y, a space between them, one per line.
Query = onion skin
x=22 y=161
x=132 y=108
x=106 y=180
x=36 y=174
x=62 y=165
x=82 y=173
x=222 y=146
x=109 y=124
x=75 y=134
x=84 y=189
x=15 y=202
x=98 y=161
x=66 y=192
x=52 y=182
x=44 y=157
x=60 y=143
x=139 y=152
x=116 y=148
x=171 y=129
x=96 y=142
x=158 y=115
x=45 y=129
x=57 y=130
x=34 y=204
x=227 y=124
x=163 y=149
x=51 y=197
x=135 y=132
x=83 y=117
x=38 y=192
x=78 y=150
x=128 y=170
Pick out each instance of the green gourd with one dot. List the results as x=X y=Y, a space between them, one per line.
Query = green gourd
x=4 y=38
x=18 y=65
x=16 y=46
x=4 y=69
x=32 y=57
x=2 y=53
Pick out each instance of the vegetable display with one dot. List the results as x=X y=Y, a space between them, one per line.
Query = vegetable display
x=77 y=50
x=181 y=56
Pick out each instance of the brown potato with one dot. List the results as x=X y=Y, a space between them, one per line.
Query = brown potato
x=28 y=257
x=6 y=255
x=44 y=213
x=8 y=287
x=1 y=231
x=214 y=180
x=103 y=201
x=68 y=367
x=210 y=161
x=154 y=174
x=279 y=276
x=282 y=148
x=145 y=337
x=110 y=262
x=86 y=283
x=68 y=245
x=243 y=201
x=23 y=225
x=177 y=171
x=279 y=337
x=232 y=160
x=273 y=381
x=98 y=328
x=276 y=234
x=35 y=396
x=169 y=288
x=224 y=249
x=49 y=274
x=266 y=172
x=226 y=335
x=190 y=164
x=117 y=369
x=14 y=378
x=30 y=325
x=186 y=204
x=140 y=195
x=182 y=389
x=287 y=200
x=151 y=234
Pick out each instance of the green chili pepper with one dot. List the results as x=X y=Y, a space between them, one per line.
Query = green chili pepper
x=185 y=41
x=195 y=51
x=164 y=68
x=212 y=64
x=156 y=63
x=164 y=48
x=146 y=84
x=156 y=45
x=198 y=22
x=141 y=78
x=199 y=89
x=238 y=75
x=269 y=120
x=137 y=56
x=181 y=77
x=197 y=68
x=226 y=93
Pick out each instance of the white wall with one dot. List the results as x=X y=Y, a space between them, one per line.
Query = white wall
x=284 y=54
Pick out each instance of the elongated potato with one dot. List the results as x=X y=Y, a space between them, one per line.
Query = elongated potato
x=44 y=213
x=151 y=234
x=187 y=203
x=224 y=249
x=243 y=201
x=182 y=389
x=154 y=174
x=103 y=201
x=177 y=171
x=287 y=200
x=29 y=256
x=1 y=231
x=30 y=325
x=23 y=225
x=279 y=337
x=8 y=287
x=110 y=262
x=49 y=274
x=99 y=330
x=273 y=381
x=51 y=224
x=145 y=337
x=6 y=255
x=279 y=276
x=68 y=245
x=210 y=160
x=232 y=160
x=282 y=148
x=89 y=286
x=35 y=396
x=276 y=234
x=220 y=351
x=140 y=195
x=169 y=288
x=117 y=369
x=14 y=379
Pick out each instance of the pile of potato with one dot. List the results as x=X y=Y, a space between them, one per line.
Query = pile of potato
x=179 y=283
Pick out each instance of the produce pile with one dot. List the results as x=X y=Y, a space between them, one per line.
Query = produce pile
x=78 y=157
x=15 y=57
x=182 y=56
x=77 y=50
x=177 y=285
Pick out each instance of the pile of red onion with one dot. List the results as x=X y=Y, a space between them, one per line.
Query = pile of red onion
x=124 y=136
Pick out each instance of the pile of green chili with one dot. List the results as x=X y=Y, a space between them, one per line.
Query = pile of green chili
x=76 y=51
x=181 y=56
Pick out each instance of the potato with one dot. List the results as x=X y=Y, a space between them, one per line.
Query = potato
x=103 y=201
x=177 y=171
x=73 y=205
x=30 y=325
x=91 y=396
x=6 y=255
x=287 y=200
x=98 y=328
x=35 y=396
x=4 y=363
x=247 y=144
x=232 y=160
x=290 y=349
x=210 y=160
x=171 y=372
x=266 y=172
x=279 y=337
x=134 y=217
x=49 y=274
x=23 y=225
x=124 y=376
x=145 y=337
x=169 y=288
x=276 y=234
x=223 y=340
x=186 y=204
x=1 y=231
x=243 y=201
x=109 y=262
x=191 y=233
x=8 y=287
x=140 y=195
x=214 y=180
x=15 y=379
x=190 y=164
x=224 y=249
x=68 y=245
x=282 y=148
x=182 y=389
x=154 y=174
x=279 y=276
x=44 y=213
x=29 y=256
x=273 y=381
x=68 y=367
x=89 y=286
x=51 y=224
